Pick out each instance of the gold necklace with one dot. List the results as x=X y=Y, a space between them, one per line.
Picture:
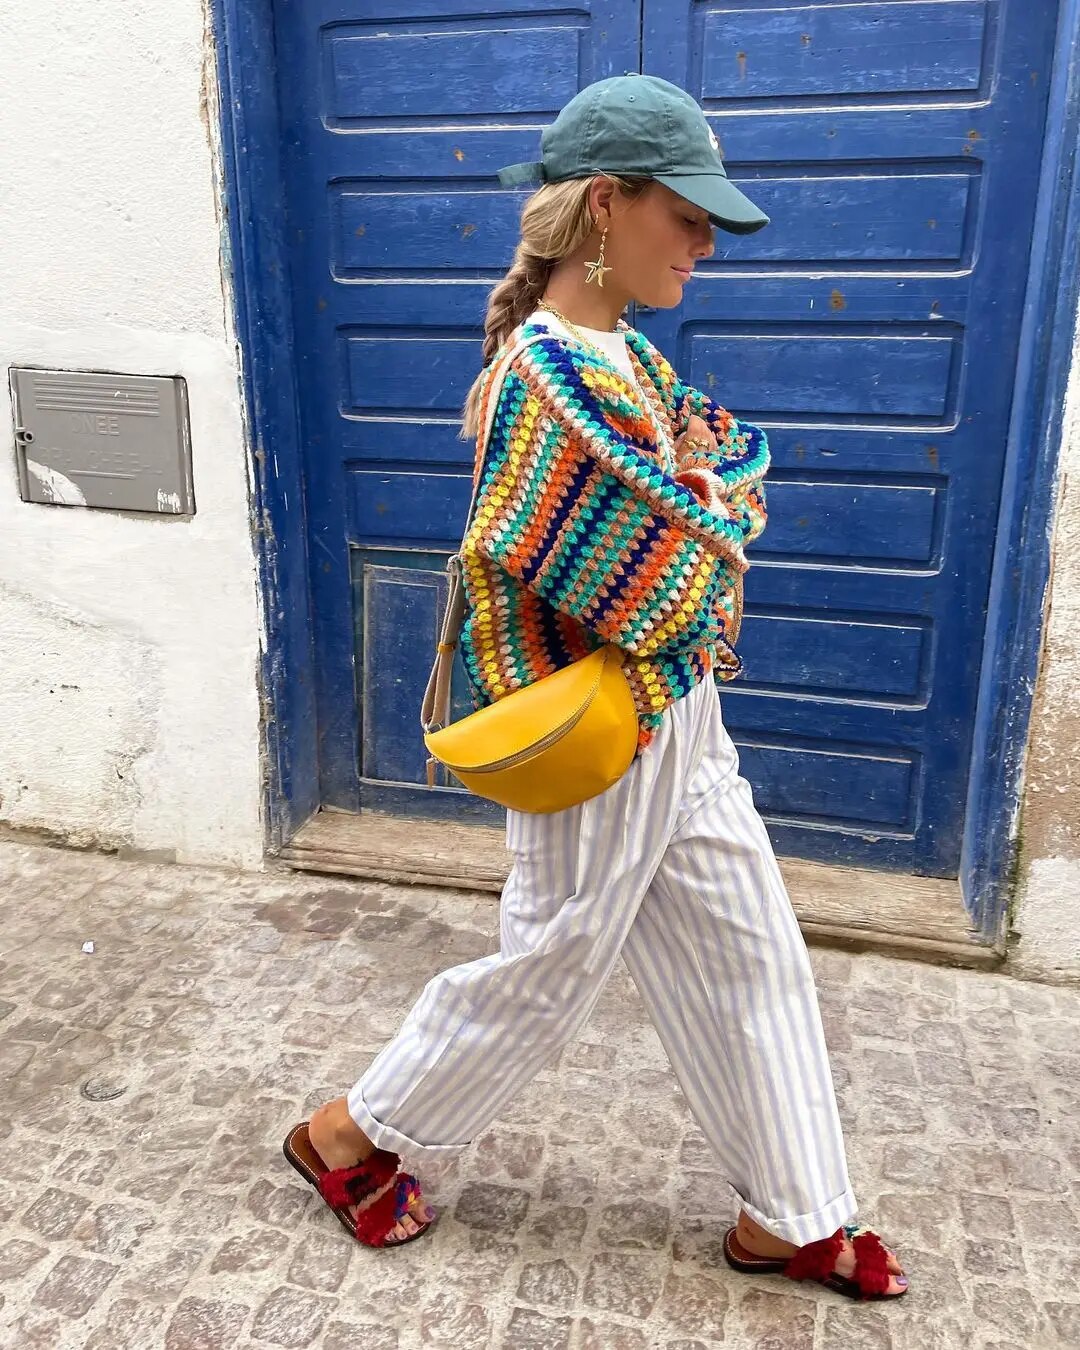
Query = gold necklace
x=546 y=304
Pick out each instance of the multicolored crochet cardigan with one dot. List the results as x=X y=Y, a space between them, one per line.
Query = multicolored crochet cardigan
x=581 y=534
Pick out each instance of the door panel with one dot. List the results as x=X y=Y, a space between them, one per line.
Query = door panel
x=873 y=329
x=396 y=119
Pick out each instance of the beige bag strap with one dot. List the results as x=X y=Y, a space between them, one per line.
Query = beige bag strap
x=435 y=713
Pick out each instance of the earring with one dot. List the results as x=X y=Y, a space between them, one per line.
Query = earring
x=594 y=271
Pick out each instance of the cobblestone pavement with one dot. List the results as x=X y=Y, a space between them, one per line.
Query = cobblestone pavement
x=148 y=1085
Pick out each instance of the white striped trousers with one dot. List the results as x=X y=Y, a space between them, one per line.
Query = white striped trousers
x=671 y=868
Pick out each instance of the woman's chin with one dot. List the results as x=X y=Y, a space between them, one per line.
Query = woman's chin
x=665 y=296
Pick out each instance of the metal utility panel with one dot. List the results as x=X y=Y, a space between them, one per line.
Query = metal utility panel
x=117 y=442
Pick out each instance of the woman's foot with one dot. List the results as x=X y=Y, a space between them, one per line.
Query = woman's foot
x=340 y=1142
x=761 y=1242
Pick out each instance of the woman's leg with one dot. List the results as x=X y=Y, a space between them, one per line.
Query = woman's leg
x=718 y=956
x=480 y=1031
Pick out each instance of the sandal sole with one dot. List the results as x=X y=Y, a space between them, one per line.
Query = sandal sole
x=311 y=1176
x=765 y=1265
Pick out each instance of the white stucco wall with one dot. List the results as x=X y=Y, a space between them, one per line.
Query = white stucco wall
x=1046 y=940
x=128 y=645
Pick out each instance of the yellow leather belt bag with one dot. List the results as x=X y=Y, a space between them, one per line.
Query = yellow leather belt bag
x=549 y=746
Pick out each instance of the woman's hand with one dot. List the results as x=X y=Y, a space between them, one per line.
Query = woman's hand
x=696 y=438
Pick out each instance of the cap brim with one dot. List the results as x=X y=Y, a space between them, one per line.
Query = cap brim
x=728 y=208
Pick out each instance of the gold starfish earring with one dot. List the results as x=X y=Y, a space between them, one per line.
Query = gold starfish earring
x=594 y=271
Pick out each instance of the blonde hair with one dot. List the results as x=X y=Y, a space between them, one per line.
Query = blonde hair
x=554 y=222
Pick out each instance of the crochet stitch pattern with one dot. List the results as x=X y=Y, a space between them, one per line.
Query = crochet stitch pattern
x=581 y=534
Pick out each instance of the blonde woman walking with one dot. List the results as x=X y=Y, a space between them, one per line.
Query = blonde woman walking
x=614 y=505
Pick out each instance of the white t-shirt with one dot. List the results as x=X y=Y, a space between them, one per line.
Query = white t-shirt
x=613 y=345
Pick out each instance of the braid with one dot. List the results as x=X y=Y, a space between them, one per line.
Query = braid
x=511 y=302
x=515 y=297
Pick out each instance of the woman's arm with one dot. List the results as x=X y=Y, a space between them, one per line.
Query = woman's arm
x=740 y=456
x=731 y=467
x=571 y=506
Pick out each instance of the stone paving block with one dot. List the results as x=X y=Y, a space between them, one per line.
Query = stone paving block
x=935 y=1282
x=1031 y=1171
x=1058 y=1217
x=1064 y=1319
x=530 y=1330
x=894 y=1113
x=447 y=1321
x=17 y=1256
x=252 y=1249
x=89 y=1167
x=281 y=1206
x=700 y=1242
x=73 y=1285
x=772 y=1321
x=624 y=1282
x=638 y=1224
x=32 y=1028
x=987 y=1216
x=926 y=1222
x=507 y=1156
x=998 y=1259
x=320 y=1261
x=477 y=1262
x=499 y=1208
x=129 y=1325
x=359 y=1336
x=552 y=1282
x=216 y=1088
x=291 y=1317
x=599 y=1335
x=164 y=1278
x=1011 y=1309
x=695 y=1303
x=55 y=1213
x=14 y=1057
x=559 y=1227
x=205 y=1324
x=114 y=1230
x=703 y=1193
x=38 y=1329
x=858 y=1325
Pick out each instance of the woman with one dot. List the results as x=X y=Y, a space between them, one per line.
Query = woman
x=614 y=505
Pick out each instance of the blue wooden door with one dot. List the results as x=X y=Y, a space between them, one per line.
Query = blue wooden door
x=873 y=328
x=396 y=118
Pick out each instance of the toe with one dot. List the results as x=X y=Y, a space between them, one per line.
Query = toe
x=897 y=1286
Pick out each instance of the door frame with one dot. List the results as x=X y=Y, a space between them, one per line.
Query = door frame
x=256 y=265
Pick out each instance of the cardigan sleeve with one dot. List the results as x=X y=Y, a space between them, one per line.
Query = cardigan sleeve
x=740 y=460
x=572 y=506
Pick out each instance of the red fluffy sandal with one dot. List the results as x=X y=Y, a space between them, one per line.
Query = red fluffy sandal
x=817 y=1261
x=344 y=1187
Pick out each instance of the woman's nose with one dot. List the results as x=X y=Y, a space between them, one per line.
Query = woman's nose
x=707 y=245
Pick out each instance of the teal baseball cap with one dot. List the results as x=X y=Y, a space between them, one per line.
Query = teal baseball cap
x=639 y=126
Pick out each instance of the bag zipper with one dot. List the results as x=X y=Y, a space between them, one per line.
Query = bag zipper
x=537 y=747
